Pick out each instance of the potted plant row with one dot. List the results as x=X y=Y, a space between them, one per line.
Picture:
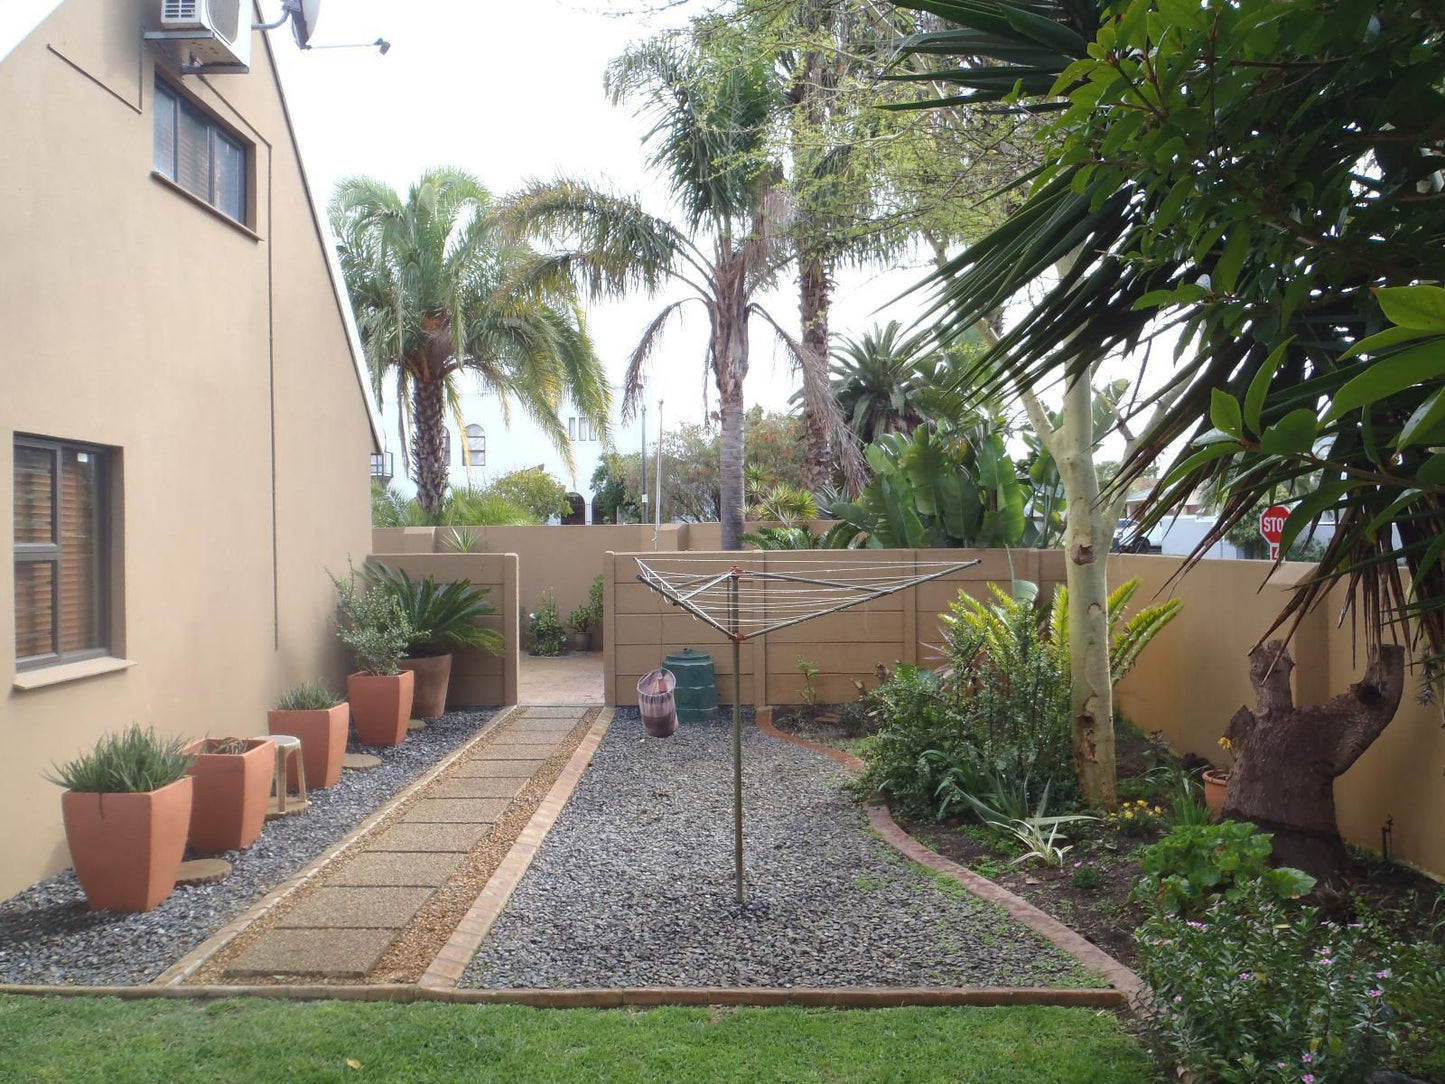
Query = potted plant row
x=370 y=622
x=127 y=811
x=442 y=618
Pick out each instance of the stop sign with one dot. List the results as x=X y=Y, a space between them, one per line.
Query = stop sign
x=1271 y=526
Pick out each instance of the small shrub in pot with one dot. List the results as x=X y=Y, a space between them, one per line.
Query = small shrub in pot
x=370 y=621
x=127 y=808
x=321 y=720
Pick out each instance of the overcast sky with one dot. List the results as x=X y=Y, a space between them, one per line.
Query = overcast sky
x=513 y=91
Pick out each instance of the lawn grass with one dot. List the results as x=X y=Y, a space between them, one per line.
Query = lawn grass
x=118 y=1042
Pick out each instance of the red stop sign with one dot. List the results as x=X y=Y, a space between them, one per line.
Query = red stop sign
x=1271 y=526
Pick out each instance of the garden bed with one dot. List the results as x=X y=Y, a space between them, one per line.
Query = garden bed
x=634 y=884
x=48 y=935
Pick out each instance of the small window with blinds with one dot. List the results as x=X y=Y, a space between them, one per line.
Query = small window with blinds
x=61 y=525
x=198 y=153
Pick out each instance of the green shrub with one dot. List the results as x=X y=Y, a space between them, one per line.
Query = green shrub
x=309 y=697
x=588 y=616
x=535 y=490
x=1194 y=865
x=549 y=638
x=441 y=617
x=1253 y=990
x=371 y=623
x=133 y=761
x=1085 y=878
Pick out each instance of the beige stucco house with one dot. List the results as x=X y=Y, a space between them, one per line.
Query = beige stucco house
x=184 y=426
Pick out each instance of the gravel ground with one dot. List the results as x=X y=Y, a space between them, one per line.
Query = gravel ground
x=47 y=934
x=634 y=884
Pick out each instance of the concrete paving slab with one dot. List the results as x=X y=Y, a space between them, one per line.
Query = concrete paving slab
x=356 y=909
x=555 y=711
x=526 y=737
x=498 y=769
x=479 y=787
x=430 y=838
x=530 y=751
x=456 y=811
x=397 y=869
x=341 y=954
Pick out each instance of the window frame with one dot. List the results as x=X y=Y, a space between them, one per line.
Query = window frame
x=216 y=129
x=473 y=440
x=53 y=552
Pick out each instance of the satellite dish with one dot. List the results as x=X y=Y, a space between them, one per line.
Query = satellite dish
x=303 y=20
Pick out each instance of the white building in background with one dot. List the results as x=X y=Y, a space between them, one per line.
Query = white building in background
x=496 y=445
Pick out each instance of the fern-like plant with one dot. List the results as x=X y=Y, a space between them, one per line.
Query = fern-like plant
x=1128 y=639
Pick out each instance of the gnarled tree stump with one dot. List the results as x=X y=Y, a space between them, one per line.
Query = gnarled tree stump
x=1287 y=757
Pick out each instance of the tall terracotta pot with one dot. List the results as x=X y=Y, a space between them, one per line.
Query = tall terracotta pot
x=433 y=675
x=380 y=706
x=323 y=742
x=229 y=806
x=126 y=848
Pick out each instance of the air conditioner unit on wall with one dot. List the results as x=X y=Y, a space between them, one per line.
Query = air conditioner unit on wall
x=205 y=35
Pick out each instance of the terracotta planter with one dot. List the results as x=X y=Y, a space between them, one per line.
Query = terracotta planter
x=380 y=706
x=433 y=674
x=232 y=789
x=1216 y=786
x=126 y=848
x=323 y=742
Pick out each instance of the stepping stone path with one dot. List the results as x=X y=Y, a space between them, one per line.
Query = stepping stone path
x=348 y=922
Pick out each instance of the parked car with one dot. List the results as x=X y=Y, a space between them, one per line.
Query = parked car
x=1129 y=537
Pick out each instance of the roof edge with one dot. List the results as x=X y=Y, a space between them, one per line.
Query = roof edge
x=18 y=20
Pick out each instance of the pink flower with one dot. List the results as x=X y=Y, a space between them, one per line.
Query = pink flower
x=1178 y=998
x=1246 y=974
x=1326 y=962
x=1308 y=1078
x=1382 y=974
x=1307 y=1058
x=1377 y=992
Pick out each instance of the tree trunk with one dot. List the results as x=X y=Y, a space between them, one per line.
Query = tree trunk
x=1286 y=758
x=428 y=433
x=730 y=462
x=814 y=289
x=1086 y=546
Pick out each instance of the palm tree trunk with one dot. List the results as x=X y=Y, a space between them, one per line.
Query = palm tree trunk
x=730 y=462
x=814 y=290
x=429 y=410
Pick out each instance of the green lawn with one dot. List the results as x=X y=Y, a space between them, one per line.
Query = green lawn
x=75 y=1039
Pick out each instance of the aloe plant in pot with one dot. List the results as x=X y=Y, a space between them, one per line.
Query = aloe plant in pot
x=370 y=622
x=443 y=618
x=127 y=807
x=320 y=720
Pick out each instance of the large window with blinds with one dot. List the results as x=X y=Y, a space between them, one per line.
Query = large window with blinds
x=200 y=154
x=62 y=600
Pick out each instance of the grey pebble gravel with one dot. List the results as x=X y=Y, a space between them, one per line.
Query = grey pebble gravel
x=47 y=934
x=633 y=886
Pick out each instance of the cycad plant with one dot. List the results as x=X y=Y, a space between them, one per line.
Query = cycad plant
x=1126 y=638
x=441 y=616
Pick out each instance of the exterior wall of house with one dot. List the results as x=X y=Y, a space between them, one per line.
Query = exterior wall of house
x=212 y=360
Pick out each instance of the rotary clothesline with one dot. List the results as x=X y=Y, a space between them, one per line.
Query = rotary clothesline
x=742 y=603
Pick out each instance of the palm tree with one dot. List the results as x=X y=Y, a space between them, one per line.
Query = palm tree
x=438 y=291
x=710 y=110
x=875 y=378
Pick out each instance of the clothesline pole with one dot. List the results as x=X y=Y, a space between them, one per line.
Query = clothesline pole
x=737 y=736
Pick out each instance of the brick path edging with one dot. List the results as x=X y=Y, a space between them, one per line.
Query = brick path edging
x=847 y=997
x=1121 y=978
x=456 y=955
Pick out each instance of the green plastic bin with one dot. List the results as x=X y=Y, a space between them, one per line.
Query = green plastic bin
x=696 y=692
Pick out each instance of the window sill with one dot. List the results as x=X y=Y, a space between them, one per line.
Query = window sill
x=241 y=227
x=42 y=676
